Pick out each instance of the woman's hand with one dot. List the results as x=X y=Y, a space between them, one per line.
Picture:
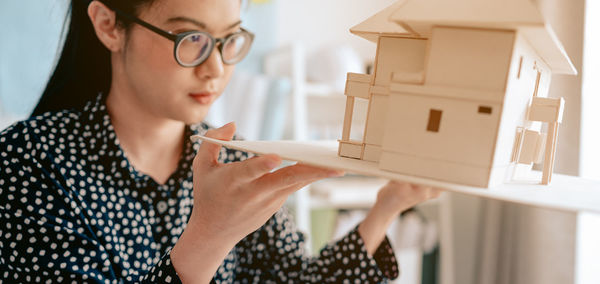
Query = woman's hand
x=231 y=201
x=394 y=198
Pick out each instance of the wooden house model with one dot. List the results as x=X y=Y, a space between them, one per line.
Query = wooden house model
x=458 y=91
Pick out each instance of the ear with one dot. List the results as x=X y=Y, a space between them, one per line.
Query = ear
x=105 y=25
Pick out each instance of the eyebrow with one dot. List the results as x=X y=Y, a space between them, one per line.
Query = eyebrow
x=198 y=23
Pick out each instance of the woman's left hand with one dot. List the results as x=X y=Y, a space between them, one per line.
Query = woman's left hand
x=394 y=198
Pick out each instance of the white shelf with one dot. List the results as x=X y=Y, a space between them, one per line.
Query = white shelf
x=567 y=193
x=345 y=192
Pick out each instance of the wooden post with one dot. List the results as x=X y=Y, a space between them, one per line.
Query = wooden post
x=550 y=151
x=348 y=118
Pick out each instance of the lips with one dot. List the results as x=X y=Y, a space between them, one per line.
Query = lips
x=202 y=97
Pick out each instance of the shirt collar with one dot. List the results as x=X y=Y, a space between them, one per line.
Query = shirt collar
x=96 y=121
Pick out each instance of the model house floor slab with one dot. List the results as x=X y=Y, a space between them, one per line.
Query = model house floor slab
x=566 y=193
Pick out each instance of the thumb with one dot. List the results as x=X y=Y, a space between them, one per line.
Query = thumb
x=208 y=154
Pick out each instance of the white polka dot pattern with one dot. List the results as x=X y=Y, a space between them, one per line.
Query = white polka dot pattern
x=73 y=209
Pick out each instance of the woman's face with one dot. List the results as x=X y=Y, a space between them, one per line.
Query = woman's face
x=158 y=83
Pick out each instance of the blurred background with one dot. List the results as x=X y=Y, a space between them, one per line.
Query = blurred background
x=291 y=87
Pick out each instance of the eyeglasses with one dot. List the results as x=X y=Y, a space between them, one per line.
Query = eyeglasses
x=194 y=47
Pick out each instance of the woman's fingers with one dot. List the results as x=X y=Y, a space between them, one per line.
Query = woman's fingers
x=292 y=175
x=404 y=193
x=436 y=192
x=253 y=168
x=399 y=185
x=293 y=188
x=428 y=191
x=208 y=154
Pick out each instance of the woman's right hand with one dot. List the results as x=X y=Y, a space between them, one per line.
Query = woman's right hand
x=233 y=200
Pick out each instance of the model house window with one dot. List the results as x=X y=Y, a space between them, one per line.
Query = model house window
x=485 y=110
x=435 y=116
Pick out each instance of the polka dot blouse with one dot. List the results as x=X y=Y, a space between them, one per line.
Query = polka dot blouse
x=73 y=209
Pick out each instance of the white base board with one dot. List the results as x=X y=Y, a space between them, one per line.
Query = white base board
x=567 y=193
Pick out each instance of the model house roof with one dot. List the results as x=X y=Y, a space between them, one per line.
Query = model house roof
x=379 y=24
x=416 y=18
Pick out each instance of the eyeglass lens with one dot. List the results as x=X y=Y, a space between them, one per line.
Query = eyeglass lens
x=194 y=48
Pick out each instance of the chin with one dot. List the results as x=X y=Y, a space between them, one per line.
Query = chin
x=191 y=113
x=192 y=117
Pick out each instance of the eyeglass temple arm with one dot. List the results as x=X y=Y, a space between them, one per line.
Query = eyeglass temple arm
x=169 y=36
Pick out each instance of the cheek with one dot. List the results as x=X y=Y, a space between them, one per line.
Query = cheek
x=150 y=50
x=227 y=73
x=150 y=62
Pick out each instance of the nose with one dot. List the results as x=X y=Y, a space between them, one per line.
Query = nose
x=212 y=67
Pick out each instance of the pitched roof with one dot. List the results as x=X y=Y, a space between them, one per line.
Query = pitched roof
x=416 y=18
x=380 y=23
x=506 y=14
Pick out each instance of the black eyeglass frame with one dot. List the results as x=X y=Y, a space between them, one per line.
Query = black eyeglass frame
x=177 y=38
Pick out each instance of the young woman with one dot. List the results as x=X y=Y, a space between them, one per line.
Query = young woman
x=102 y=183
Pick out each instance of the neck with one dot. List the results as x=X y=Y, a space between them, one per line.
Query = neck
x=152 y=144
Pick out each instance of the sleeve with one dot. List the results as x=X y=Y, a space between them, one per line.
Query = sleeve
x=44 y=233
x=280 y=247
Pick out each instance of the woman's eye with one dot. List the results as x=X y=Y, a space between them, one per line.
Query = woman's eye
x=195 y=38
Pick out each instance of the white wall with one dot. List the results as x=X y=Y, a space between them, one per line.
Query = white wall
x=567 y=19
x=589 y=224
x=318 y=23
x=590 y=136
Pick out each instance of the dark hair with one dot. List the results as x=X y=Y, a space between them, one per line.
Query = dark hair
x=84 y=67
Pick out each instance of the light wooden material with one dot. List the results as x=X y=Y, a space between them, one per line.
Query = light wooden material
x=348 y=118
x=565 y=193
x=351 y=150
x=415 y=18
x=409 y=77
x=398 y=55
x=379 y=24
x=476 y=13
x=378 y=109
x=529 y=147
x=372 y=153
x=478 y=61
x=525 y=64
x=546 y=109
x=362 y=78
x=465 y=136
x=452 y=82
x=358 y=89
x=357 y=86
x=540 y=148
x=550 y=151
x=449 y=92
x=517 y=145
x=434 y=169
x=523 y=16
